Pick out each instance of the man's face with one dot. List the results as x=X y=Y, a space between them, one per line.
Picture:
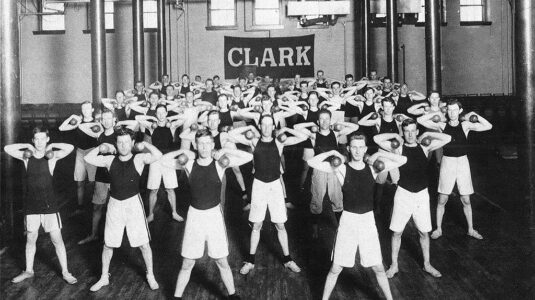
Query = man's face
x=87 y=110
x=216 y=80
x=161 y=114
x=388 y=108
x=185 y=80
x=271 y=92
x=189 y=98
x=410 y=133
x=387 y=84
x=297 y=78
x=266 y=105
x=124 y=145
x=222 y=102
x=266 y=127
x=243 y=82
x=404 y=89
x=369 y=94
x=119 y=97
x=324 y=121
x=434 y=99
x=350 y=81
x=213 y=121
x=153 y=99
x=169 y=90
x=107 y=120
x=303 y=86
x=165 y=79
x=140 y=87
x=237 y=91
x=320 y=75
x=336 y=89
x=454 y=111
x=40 y=139
x=250 y=76
x=373 y=75
x=198 y=78
x=313 y=100
x=357 y=148
x=209 y=84
x=205 y=145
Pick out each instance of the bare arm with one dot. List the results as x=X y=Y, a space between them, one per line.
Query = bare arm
x=17 y=150
x=66 y=126
x=98 y=160
x=438 y=140
x=481 y=125
x=348 y=128
x=318 y=162
x=63 y=149
x=426 y=121
x=383 y=140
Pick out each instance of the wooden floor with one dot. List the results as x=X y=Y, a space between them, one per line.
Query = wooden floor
x=502 y=266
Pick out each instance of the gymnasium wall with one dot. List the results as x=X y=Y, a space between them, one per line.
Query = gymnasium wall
x=57 y=68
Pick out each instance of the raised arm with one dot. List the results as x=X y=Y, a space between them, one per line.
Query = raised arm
x=481 y=125
x=155 y=154
x=90 y=129
x=169 y=158
x=416 y=96
x=66 y=126
x=318 y=162
x=348 y=128
x=384 y=140
x=63 y=149
x=417 y=109
x=367 y=121
x=98 y=160
x=17 y=150
x=390 y=160
x=426 y=121
x=438 y=140
x=236 y=157
x=237 y=134
x=298 y=136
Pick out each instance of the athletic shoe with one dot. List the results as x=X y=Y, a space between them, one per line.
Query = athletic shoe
x=292 y=266
x=22 y=276
x=152 y=282
x=103 y=281
x=247 y=267
x=69 y=278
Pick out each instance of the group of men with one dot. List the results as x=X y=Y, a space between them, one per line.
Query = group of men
x=354 y=135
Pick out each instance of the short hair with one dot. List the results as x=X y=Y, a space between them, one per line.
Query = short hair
x=87 y=102
x=209 y=79
x=154 y=93
x=241 y=78
x=38 y=129
x=325 y=111
x=170 y=85
x=348 y=76
x=356 y=136
x=389 y=100
x=124 y=131
x=216 y=76
x=202 y=133
x=313 y=93
x=139 y=81
x=222 y=96
x=119 y=91
x=317 y=72
x=335 y=83
x=161 y=106
x=108 y=111
x=407 y=122
x=213 y=112
x=433 y=92
x=303 y=83
x=266 y=116
x=454 y=101
x=185 y=75
x=271 y=86
x=386 y=78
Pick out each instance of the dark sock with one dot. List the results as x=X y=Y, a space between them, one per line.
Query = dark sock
x=338 y=215
x=250 y=258
x=286 y=258
x=177 y=298
x=234 y=297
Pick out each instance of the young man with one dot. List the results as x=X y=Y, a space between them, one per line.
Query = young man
x=40 y=203
x=125 y=207
x=357 y=228
x=455 y=167
x=325 y=139
x=205 y=224
x=102 y=178
x=412 y=197
x=161 y=136
x=267 y=192
x=85 y=140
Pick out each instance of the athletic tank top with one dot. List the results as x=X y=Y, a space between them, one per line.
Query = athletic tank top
x=226 y=119
x=141 y=97
x=413 y=174
x=162 y=138
x=267 y=161
x=217 y=141
x=455 y=148
x=358 y=189
x=84 y=141
x=205 y=186
x=124 y=179
x=121 y=114
x=403 y=105
x=388 y=127
x=184 y=89
x=240 y=103
x=151 y=112
x=312 y=116
x=325 y=143
x=102 y=174
x=39 y=195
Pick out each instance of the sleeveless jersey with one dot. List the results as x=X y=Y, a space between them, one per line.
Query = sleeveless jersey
x=205 y=186
x=267 y=161
x=413 y=174
x=455 y=148
x=124 y=179
x=358 y=189
x=325 y=143
x=39 y=196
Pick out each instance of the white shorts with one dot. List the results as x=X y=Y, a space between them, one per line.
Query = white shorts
x=127 y=213
x=357 y=231
x=452 y=170
x=157 y=171
x=407 y=205
x=205 y=226
x=82 y=169
x=101 y=193
x=50 y=222
x=270 y=196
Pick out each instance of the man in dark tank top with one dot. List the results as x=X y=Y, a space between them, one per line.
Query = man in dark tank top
x=40 y=204
x=454 y=167
x=205 y=223
x=357 y=229
x=125 y=207
x=412 y=197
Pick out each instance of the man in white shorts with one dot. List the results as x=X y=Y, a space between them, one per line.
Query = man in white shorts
x=267 y=191
x=40 y=203
x=455 y=167
x=125 y=207
x=357 y=229
x=205 y=223
x=87 y=129
x=412 y=197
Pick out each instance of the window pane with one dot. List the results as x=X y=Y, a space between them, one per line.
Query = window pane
x=222 y=18
x=150 y=20
x=108 y=21
x=53 y=22
x=471 y=13
x=150 y=6
x=267 y=17
x=471 y=2
x=222 y=4
x=421 y=14
x=267 y=4
x=108 y=7
x=53 y=8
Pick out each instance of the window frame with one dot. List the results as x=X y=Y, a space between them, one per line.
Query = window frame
x=210 y=26
x=484 y=14
x=108 y=30
x=42 y=14
x=145 y=28
x=266 y=26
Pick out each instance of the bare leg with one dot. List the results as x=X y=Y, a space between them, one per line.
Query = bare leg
x=382 y=280
x=467 y=208
x=424 y=243
x=97 y=215
x=283 y=238
x=31 y=239
x=146 y=251
x=226 y=274
x=183 y=276
x=303 y=175
x=104 y=280
x=441 y=206
x=396 y=243
x=153 y=196
x=172 y=201
x=57 y=240
x=80 y=189
x=330 y=282
x=255 y=237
